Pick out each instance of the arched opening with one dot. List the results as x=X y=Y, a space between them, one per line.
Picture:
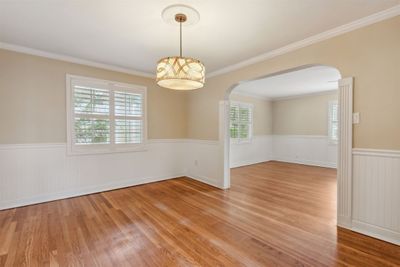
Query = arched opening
x=343 y=133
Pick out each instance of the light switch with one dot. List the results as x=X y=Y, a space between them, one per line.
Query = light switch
x=356 y=118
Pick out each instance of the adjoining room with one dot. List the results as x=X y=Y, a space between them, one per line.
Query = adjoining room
x=291 y=117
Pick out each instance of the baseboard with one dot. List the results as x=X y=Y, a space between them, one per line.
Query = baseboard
x=376 y=231
x=205 y=180
x=83 y=191
x=344 y=222
x=307 y=162
x=296 y=161
x=248 y=162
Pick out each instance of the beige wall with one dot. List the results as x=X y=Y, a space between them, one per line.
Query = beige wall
x=32 y=90
x=305 y=115
x=370 y=54
x=262 y=113
x=32 y=100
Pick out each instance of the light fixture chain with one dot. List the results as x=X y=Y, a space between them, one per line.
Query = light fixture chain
x=180 y=38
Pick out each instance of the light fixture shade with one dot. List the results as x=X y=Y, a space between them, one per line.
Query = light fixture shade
x=180 y=73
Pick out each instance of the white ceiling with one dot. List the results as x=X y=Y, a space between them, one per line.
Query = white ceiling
x=306 y=81
x=131 y=33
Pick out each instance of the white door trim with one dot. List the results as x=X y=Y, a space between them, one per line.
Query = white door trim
x=345 y=170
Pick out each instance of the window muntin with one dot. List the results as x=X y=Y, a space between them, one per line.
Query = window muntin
x=104 y=116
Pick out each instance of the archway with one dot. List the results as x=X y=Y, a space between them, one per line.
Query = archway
x=344 y=164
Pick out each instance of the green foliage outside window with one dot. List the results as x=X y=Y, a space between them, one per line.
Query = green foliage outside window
x=240 y=121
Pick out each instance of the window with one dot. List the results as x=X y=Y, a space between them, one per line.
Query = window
x=333 y=119
x=104 y=116
x=241 y=121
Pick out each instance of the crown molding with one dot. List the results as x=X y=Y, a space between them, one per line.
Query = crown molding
x=327 y=92
x=240 y=93
x=374 y=18
x=41 y=53
x=371 y=19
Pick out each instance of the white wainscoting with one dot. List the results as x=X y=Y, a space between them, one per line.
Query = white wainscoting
x=34 y=173
x=258 y=149
x=376 y=193
x=304 y=149
x=202 y=161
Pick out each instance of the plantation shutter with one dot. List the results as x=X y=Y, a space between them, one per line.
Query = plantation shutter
x=128 y=118
x=234 y=121
x=245 y=122
x=333 y=121
x=91 y=115
x=104 y=116
x=241 y=121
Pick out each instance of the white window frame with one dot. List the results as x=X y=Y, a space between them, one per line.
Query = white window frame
x=330 y=108
x=112 y=86
x=250 y=138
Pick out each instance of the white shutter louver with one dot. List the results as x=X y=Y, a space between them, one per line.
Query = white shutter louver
x=128 y=118
x=91 y=108
x=91 y=100
x=241 y=121
x=92 y=131
x=333 y=121
x=234 y=121
x=104 y=116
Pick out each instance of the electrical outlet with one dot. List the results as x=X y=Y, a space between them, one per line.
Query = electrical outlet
x=356 y=118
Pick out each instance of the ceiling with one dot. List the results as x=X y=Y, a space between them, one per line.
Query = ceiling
x=306 y=81
x=131 y=33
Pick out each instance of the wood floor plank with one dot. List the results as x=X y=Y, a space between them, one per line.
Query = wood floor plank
x=274 y=214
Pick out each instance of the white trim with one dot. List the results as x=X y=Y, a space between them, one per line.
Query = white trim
x=250 y=107
x=344 y=222
x=300 y=136
x=70 y=59
x=112 y=147
x=306 y=162
x=52 y=175
x=345 y=160
x=244 y=163
x=240 y=93
x=31 y=146
x=206 y=180
x=84 y=191
x=224 y=142
x=376 y=231
x=59 y=145
x=357 y=24
x=331 y=104
x=376 y=152
x=376 y=193
x=328 y=92
x=374 y=18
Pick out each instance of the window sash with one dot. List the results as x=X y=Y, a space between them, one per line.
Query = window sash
x=136 y=124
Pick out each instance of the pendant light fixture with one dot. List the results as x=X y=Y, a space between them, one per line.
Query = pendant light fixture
x=179 y=72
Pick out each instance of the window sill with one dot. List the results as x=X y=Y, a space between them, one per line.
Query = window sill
x=240 y=142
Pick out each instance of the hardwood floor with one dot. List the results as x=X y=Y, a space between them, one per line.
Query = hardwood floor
x=275 y=214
